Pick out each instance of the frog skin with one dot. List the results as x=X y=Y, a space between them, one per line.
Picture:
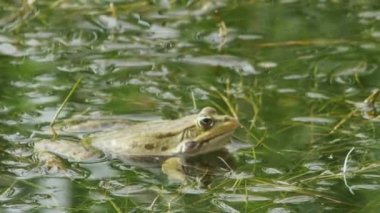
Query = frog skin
x=187 y=136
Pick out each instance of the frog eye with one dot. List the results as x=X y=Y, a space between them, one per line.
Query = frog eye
x=205 y=122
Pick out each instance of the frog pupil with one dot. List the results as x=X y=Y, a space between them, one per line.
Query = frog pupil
x=206 y=122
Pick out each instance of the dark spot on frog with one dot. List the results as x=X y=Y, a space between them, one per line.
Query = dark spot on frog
x=149 y=146
x=164 y=148
x=191 y=146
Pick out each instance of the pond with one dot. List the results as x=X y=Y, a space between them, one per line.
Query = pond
x=301 y=76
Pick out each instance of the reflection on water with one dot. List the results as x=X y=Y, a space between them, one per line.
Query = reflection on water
x=54 y=193
x=298 y=73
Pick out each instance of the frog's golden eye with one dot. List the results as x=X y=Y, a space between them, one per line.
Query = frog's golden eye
x=206 y=122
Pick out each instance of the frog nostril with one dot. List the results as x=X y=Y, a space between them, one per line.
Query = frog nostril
x=228 y=118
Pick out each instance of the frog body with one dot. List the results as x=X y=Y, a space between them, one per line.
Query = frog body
x=187 y=136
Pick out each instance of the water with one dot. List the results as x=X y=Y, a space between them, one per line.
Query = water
x=296 y=73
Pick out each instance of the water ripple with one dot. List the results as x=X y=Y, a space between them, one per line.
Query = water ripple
x=317 y=120
x=232 y=62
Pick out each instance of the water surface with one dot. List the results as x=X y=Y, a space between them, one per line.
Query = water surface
x=295 y=72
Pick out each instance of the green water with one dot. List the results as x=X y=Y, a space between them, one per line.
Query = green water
x=295 y=72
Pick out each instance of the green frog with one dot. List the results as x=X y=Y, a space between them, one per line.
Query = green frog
x=173 y=140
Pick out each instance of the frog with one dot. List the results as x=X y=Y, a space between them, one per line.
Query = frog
x=171 y=140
